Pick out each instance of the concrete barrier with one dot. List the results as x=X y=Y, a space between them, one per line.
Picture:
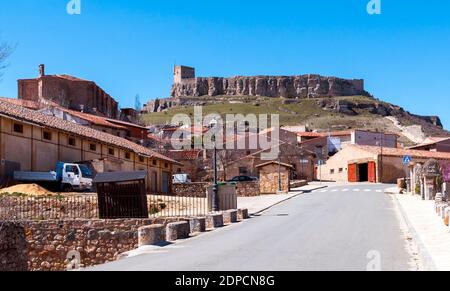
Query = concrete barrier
x=243 y=214
x=214 y=221
x=150 y=235
x=230 y=216
x=197 y=224
x=177 y=230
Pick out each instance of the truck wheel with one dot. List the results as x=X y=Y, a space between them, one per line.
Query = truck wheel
x=67 y=188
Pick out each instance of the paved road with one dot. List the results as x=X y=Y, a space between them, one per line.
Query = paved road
x=329 y=229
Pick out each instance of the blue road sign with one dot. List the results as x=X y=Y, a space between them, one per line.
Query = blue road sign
x=407 y=160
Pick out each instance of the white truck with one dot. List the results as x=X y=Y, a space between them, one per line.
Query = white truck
x=67 y=177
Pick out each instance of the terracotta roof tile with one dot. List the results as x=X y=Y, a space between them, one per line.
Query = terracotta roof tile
x=396 y=152
x=23 y=114
x=181 y=155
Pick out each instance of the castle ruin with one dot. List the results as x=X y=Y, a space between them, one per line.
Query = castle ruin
x=186 y=84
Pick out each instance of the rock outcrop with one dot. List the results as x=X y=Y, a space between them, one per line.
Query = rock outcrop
x=305 y=86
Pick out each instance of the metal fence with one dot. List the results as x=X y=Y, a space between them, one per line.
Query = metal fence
x=87 y=206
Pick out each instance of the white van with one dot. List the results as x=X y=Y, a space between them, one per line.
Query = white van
x=181 y=179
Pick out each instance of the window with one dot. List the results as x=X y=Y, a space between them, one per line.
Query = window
x=72 y=141
x=166 y=165
x=332 y=171
x=243 y=170
x=47 y=135
x=341 y=170
x=93 y=147
x=18 y=128
x=118 y=133
x=127 y=156
x=154 y=163
x=141 y=159
x=111 y=152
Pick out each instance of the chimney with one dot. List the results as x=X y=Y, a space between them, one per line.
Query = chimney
x=41 y=71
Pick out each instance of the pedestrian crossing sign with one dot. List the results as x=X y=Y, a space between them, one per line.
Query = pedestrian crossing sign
x=407 y=160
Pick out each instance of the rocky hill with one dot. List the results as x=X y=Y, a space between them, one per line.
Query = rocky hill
x=305 y=86
x=326 y=113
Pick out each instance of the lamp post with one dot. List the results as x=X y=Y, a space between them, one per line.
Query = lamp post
x=215 y=189
x=279 y=175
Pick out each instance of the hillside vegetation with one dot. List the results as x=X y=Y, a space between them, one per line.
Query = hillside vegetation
x=338 y=113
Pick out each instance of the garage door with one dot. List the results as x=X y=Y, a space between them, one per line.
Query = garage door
x=372 y=172
x=352 y=178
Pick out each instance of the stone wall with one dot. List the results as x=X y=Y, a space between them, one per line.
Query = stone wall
x=247 y=189
x=305 y=86
x=298 y=184
x=190 y=190
x=13 y=247
x=52 y=245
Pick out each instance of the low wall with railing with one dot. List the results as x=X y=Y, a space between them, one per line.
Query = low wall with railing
x=69 y=207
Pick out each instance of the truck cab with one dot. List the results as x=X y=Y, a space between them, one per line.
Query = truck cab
x=76 y=177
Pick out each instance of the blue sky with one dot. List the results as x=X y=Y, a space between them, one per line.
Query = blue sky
x=130 y=47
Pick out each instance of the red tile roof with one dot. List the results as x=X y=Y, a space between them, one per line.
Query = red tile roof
x=20 y=113
x=94 y=119
x=430 y=141
x=24 y=103
x=396 y=152
x=183 y=155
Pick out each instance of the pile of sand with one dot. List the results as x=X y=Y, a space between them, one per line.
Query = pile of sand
x=27 y=189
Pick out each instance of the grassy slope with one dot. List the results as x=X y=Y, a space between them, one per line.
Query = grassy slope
x=304 y=111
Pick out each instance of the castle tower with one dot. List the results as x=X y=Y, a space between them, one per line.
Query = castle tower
x=181 y=73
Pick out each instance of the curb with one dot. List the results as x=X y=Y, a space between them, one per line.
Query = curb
x=428 y=261
x=279 y=202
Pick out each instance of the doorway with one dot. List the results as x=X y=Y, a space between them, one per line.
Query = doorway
x=363 y=172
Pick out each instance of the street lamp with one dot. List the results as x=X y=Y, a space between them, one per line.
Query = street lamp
x=215 y=189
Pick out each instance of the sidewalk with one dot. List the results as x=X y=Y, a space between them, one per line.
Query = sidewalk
x=261 y=203
x=429 y=231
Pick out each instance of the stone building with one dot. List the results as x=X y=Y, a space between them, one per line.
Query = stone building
x=70 y=92
x=33 y=141
x=271 y=174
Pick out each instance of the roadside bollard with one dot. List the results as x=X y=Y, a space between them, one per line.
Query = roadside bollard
x=150 y=235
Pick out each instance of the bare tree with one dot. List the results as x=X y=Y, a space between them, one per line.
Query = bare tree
x=5 y=52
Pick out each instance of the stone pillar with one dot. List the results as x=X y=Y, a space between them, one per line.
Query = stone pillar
x=430 y=188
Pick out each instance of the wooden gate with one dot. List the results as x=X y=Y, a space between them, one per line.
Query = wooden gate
x=372 y=172
x=122 y=195
x=352 y=173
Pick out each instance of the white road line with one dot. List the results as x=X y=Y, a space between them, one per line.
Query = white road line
x=345 y=190
x=356 y=190
x=379 y=191
x=334 y=190
x=367 y=190
x=323 y=191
